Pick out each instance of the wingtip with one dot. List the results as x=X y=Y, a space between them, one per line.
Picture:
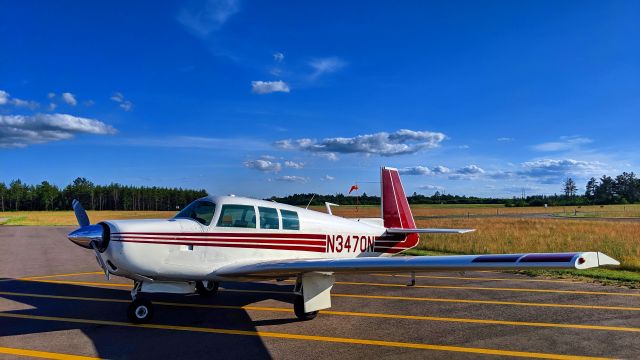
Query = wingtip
x=604 y=260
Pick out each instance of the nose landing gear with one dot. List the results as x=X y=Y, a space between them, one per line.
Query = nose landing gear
x=140 y=310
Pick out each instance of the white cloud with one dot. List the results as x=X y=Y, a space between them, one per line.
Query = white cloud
x=470 y=170
x=207 y=16
x=564 y=143
x=69 y=98
x=52 y=106
x=51 y=95
x=21 y=130
x=384 y=144
x=415 y=170
x=4 y=97
x=267 y=87
x=294 y=164
x=326 y=65
x=552 y=169
x=278 y=56
x=328 y=178
x=123 y=103
x=263 y=165
x=505 y=139
x=441 y=170
x=292 y=178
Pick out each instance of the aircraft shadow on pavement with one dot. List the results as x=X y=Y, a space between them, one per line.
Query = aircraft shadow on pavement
x=129 y=342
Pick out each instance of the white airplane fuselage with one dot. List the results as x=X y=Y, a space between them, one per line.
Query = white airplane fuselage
x=183 y=249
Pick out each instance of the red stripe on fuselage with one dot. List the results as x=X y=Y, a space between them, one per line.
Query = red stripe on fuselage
x=230 y=234
x=245 y=246
x=218 y=240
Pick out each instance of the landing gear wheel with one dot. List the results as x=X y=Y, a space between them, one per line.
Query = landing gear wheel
x=298 y=308
x=140 y=311
x=207 y=288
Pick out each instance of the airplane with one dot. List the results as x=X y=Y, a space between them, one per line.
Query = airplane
x=231 y=238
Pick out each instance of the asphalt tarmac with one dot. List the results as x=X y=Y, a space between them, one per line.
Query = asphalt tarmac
x=54 y=303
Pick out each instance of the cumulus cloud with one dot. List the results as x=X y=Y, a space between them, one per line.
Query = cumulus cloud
x=292 y=178
x=4 y=97
x=328 y=178
x=267 y=87
x=278 y=56
x=69 y=98
x=441 y=170
x=470 y=170
x=560 y=168
x=207 y=16
x=384 y=144
x=564 y=143
x=22 y=130
x=264 y=165
x=123 y=103
x=326 y=65
x=294 y=164
x=415 y=170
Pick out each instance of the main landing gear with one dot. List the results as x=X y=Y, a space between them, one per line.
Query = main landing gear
x=207 y=288
x=140 y=310
x=298 y=303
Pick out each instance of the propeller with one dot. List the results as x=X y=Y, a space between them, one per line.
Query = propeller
x=89 y=236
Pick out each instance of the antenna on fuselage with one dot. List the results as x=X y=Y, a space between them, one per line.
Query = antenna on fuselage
x=314 y=195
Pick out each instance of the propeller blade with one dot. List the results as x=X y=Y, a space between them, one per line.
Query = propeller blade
x=81 y=215
x=100 y=260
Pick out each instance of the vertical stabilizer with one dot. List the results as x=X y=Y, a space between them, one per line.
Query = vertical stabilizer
x=395 y=207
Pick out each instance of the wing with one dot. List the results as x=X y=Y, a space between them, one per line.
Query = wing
x=428 y=231
x=398 y=264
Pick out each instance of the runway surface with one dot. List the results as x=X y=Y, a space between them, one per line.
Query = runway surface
x=55 y=304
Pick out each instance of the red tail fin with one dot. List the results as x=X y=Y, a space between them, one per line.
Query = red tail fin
x=395 y=207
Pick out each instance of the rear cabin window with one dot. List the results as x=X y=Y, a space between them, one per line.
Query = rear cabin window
x=290 y=220
x=199 y=210
x=268 y=218
x=242 y=216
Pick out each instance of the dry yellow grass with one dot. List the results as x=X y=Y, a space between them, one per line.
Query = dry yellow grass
x=49 y=218
x=620 y=240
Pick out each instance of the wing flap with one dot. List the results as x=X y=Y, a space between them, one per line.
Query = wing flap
x=429 y=231
x=398 y=264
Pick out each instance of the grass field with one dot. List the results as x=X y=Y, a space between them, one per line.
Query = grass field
x=620 y=240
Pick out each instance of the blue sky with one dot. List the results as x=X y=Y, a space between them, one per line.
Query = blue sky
x=269 y=98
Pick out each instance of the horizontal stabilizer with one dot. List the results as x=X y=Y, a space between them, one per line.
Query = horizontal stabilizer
x=428 y=231
x=399 y=264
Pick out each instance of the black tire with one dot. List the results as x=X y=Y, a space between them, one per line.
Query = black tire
x=207 y=290
x=298 y=308
x=140 y=311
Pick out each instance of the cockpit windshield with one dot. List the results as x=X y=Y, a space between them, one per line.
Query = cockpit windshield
x=200 y=210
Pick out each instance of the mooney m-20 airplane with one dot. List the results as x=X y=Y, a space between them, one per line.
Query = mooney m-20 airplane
x=230 y=238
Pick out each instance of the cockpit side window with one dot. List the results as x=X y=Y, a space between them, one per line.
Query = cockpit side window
x=200 y=210
x=268 y=218
x=242 y=216
x=290 y=220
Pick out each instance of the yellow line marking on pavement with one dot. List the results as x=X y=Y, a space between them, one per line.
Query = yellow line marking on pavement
x=90 y=283
x=343 y=313
x=60 y=275
x=489 y=302
x=382 y=297
x=330 y=339
x=451 y=287
x=479 y=278
x=42 y=354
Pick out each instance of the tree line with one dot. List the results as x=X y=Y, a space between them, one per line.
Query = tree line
x=45 y=196
x=623 y=189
